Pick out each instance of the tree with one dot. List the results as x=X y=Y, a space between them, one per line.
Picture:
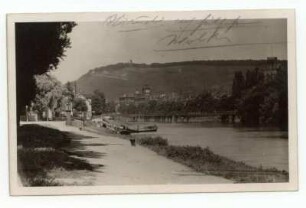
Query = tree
x=49 y=93
x=250 y=98
x=281 y=83
x=110 y=107
x=264 y=101
x=39 y=48
x=204 y=102
x=249 y=105
x=98 y=102
x=69 y=91
x=226 y=103
x=275 y=106
x=238 y=84
x=79 y=104
x=253 y=78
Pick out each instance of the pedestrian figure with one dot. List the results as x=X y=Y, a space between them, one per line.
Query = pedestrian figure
x=133 y=141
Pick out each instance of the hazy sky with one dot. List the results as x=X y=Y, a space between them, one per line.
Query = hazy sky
x=95 y=44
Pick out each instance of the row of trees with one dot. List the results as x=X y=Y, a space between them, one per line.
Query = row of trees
x=204 y=102
x=262 y=99
x=51 y=94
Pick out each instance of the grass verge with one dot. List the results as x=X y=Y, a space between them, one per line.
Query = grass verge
x=205 y=161
x=41 y=149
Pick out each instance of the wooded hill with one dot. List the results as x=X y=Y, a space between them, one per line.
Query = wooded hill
x=180 y=77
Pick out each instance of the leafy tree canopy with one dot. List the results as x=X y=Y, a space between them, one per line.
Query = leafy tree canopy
x=39 y=48
x=98 y=102
x=49 y=92
x=79 y=104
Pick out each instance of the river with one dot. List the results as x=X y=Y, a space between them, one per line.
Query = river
x=254 y=146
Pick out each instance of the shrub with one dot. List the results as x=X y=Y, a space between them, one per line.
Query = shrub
x=154 y=141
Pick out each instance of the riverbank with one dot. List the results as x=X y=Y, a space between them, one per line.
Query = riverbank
x=123 y=164
x=256 y=147
x=205 y=161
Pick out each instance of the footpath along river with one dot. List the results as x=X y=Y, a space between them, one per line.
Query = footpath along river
x=254 y=146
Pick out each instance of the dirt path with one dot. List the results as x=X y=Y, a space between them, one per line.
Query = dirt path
x=128 y=165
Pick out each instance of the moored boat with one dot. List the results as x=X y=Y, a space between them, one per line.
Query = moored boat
x=115 y=126
x=151 y=128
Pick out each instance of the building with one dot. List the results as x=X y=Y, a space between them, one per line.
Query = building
x=126 y=99
x=146 y=94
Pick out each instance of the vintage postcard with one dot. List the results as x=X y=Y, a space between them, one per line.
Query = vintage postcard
x=152 y=102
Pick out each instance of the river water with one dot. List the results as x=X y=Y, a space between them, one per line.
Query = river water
x=254 y=146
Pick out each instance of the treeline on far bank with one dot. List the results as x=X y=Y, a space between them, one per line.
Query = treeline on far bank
x=258 y=98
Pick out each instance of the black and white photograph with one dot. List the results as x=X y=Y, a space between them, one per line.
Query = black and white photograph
x=152 y=102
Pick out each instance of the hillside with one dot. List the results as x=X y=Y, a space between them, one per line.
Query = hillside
x=193 y=76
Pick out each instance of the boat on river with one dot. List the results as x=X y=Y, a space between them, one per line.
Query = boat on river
x=128 y=130
x=115 y=126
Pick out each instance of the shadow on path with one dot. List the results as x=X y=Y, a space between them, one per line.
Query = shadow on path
x=78 y=147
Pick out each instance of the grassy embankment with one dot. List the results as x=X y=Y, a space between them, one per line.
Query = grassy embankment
x=41 y=150
x=205 y=161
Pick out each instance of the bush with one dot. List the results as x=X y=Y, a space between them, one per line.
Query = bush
x=154 y=141
x=80 y=105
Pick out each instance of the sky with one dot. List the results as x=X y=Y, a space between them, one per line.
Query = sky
x=95 y=44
